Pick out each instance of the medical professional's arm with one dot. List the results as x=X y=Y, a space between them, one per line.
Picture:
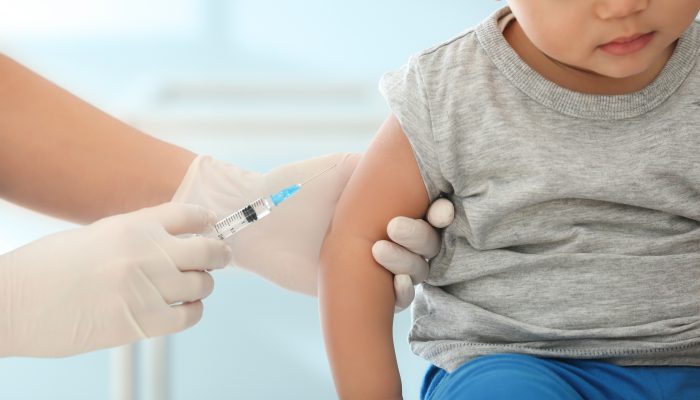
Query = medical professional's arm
x=63 y=157
x=357 y=300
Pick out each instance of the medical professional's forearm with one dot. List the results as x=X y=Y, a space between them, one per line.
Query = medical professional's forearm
x=63 y=157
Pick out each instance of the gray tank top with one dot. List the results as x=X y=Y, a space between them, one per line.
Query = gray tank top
x=577 y=230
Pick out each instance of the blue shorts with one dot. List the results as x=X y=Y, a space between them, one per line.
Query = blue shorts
x=523 y=377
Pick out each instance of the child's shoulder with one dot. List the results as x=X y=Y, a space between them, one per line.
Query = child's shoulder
x=465 y=49
x=449 y=51
x=464 y=38
x=458 y=59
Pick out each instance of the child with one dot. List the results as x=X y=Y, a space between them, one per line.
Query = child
x=567 y=134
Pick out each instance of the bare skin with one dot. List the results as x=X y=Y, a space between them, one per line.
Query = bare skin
x=579 y=80
x=357 y=301
x=563 y=40
x=104 y=167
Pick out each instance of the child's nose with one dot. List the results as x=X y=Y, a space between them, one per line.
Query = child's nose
x=610 y=9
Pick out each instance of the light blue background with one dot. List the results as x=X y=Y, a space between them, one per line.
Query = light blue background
x=255 y=340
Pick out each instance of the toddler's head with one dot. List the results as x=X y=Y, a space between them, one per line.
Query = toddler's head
x=613 y=38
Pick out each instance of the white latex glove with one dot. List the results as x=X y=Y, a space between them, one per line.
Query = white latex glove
x=110 y=283
x=284 y=247
x=414 y=241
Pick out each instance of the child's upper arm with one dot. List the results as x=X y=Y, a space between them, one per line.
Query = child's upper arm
x=385 y=184
x=357 y=296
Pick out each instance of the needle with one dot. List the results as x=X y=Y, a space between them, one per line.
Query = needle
x=318 y=174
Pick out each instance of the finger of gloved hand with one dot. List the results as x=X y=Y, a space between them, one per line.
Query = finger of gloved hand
x=405 y=292
x=441 y=213
x=179 y=219
x=180 y=317
x=198 y=253
x=400 y=261
x=188 y=314
x=185 y=287
x=416 y=235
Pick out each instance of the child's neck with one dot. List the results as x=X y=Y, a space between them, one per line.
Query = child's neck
x=577 y=79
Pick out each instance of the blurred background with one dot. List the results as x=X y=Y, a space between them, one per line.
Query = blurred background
x=258 y=83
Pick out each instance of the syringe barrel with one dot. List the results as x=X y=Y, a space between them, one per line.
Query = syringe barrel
x=240 y=219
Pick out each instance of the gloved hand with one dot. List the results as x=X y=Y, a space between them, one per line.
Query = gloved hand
x=284 y=247
x=414 y=241
x=113 y=282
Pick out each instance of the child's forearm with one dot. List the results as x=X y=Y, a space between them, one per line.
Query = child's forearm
x=357 y=308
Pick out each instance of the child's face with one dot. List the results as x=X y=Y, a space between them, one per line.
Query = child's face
x=613 y=38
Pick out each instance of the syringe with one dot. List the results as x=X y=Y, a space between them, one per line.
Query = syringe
x=258 y=209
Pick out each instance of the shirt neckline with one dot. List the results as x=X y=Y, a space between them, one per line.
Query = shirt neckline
x=583 y=105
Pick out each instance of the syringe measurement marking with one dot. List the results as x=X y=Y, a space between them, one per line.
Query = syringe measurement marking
x=248 y=214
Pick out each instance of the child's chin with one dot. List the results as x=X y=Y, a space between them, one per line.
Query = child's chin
x=622 y=70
